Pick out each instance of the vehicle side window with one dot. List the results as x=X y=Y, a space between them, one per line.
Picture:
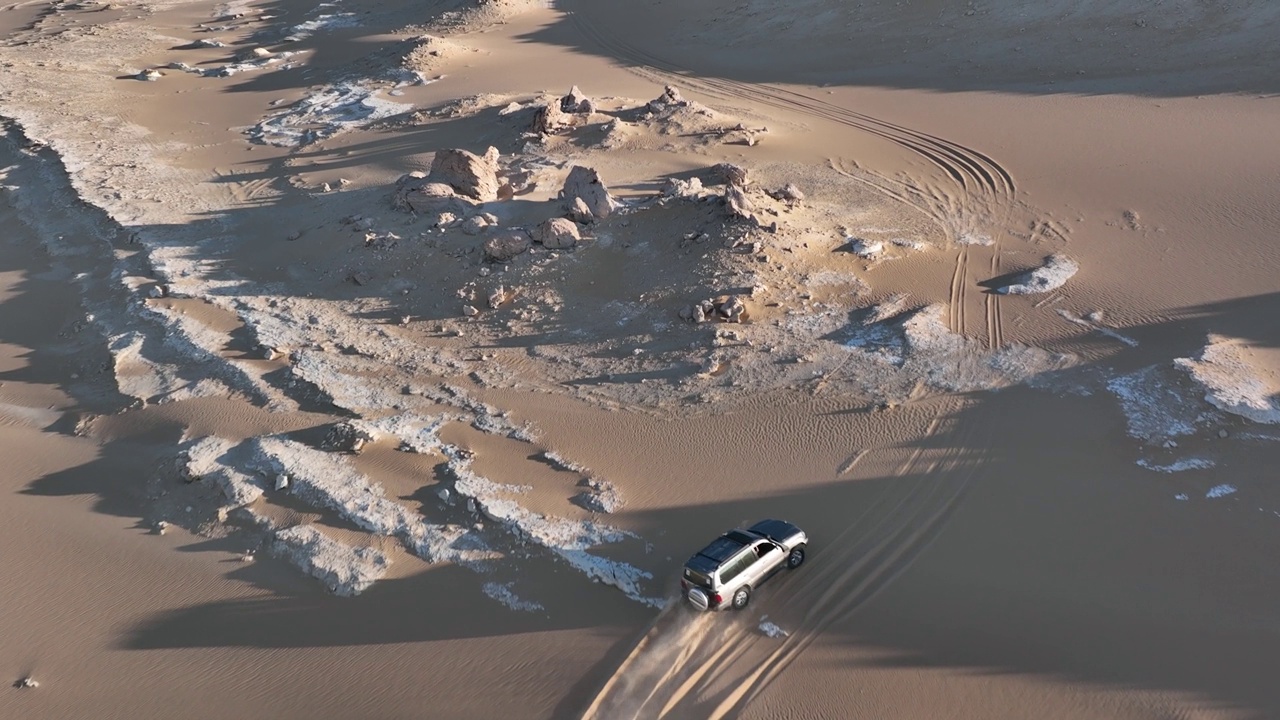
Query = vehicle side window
x=734 y=567
x=763 y=549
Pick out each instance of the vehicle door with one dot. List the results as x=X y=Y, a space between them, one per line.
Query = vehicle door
x=767 y=556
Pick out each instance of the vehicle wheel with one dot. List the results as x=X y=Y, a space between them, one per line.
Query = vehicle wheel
x=741 y=598
x=795 y=559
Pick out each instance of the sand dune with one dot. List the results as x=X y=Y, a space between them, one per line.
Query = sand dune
x=306 y=417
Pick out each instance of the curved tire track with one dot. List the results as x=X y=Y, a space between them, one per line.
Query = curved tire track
x=973 y=171
x=986 y=191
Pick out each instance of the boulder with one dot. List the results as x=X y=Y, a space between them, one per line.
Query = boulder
x=475 y=176
x=584 y=184
x=557 y=234
x=732 y=175
x=506 y=245
x=578 y=211
x=576 y=102
x=424 y=196
x=730 y=309
x=476 y=225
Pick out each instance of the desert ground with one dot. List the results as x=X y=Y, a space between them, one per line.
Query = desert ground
x=387 y=360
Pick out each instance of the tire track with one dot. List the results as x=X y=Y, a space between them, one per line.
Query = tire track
x=959 y=282
x=934 y=495
x=995 y=324
x=715 y=665
x=973 y=171
x=942 y=208
x=986 y=192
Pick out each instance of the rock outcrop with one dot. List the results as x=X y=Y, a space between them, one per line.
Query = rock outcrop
x=585 y=196
x=419 y=194
x=577 y=103
x=669 y=100
x=676 y=188
x=599 y=496
x=550 y=119
x=475 y=176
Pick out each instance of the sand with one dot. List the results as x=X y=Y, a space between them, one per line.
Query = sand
x=286 y=436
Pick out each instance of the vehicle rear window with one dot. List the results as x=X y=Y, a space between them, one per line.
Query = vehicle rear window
x=697 y=578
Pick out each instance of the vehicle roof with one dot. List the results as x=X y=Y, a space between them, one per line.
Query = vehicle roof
x=727 y=545
x=774 y=528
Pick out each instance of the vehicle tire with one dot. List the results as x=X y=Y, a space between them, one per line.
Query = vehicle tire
x=741 y=598
x=795 y=558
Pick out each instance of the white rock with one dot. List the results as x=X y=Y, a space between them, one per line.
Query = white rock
x=867 y=249
x=770 y=629
x=1233 y=381
x=1057 y=270
x=344 y=569
x=1218 y=491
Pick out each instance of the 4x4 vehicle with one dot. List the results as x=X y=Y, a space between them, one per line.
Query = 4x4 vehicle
x=724 y=573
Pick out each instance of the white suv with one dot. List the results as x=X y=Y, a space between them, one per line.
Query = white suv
x=724 y=573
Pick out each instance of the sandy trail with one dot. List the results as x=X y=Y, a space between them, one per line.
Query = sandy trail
x=690 y=665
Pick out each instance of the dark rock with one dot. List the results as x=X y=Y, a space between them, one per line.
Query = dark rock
x=506 y=245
